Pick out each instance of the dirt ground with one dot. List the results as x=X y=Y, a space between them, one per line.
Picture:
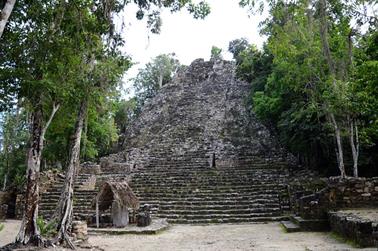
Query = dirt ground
x=214 y=237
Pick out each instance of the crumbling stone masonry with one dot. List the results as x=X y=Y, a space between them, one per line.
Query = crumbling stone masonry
x=196 y=154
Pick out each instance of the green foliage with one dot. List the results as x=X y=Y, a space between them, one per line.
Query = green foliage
x=216 y=53
x=14 y=140
x=151 y=9
x=46 y=229
x=237 y=46
x=295 y=86
x=55 y=52
x=125 y=111
x=155 y=74
x=1 y=227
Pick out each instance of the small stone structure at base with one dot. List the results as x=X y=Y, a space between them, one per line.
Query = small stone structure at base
x=119 y=197
x=332 y=205
x=339 y=193
x=360 y=225
x=143 y=216
x=80 y=230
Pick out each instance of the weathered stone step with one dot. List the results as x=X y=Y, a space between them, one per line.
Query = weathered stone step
x=195 y=175
x=200 y=185
x=81 y=193
x=226 y=220
x=205 y=193
x=204 y=180
x=216 y=216
x=218 y=206
x=201 y=203
x=173 y=168
x=214 y=212
x=193 y=189
x=190 y=196
x=209 y=200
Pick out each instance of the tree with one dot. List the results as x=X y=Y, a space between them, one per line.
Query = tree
x=32 y=79
x=154 y=76
x=125 y=112
x=305 y=88
x=216 y=53
x=237 y=46
x=14 y=140
x=49 y=48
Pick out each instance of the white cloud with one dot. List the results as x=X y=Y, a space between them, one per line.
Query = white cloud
x=187 y=37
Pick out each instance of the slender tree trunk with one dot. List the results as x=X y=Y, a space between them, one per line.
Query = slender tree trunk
x=6 y=166
x=324 y=34
x=339 y=144
x=5 y=13
x=354 y=143
x=322 y=5
x=64 y=211
x=85 y=131
x=160 y=79
x=29 y=233
x=5 y=181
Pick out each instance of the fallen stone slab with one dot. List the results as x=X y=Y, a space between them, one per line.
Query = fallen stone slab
x=290 y=227
x=157 y=226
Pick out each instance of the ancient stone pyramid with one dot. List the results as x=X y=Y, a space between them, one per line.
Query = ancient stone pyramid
x=205 y=108
x=197 y=154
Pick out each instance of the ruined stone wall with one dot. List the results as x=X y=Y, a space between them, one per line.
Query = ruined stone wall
x=340 y=193
x=361 y=230
x=204 y=110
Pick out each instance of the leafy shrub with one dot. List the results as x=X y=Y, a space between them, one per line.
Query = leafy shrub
x=47 y=229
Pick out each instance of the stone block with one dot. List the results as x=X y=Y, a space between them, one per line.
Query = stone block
x=3 y=211
x=80 y=230
x=143 y=216
x=351 y=226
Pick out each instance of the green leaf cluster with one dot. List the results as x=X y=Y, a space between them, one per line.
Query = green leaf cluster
x=295 y=88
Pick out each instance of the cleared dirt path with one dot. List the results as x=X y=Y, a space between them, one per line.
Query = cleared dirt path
x=221 y=237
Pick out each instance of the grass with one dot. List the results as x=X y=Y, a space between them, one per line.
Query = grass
x=283 y=228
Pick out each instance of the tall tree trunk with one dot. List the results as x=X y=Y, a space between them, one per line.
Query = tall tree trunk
x=355 y=145
x=85 y=132
x=5 y=181
x=5 y=13
x=29 y=233
x=64 y=211
x=6 y=155
x=340 y=155
x=160 y=79
x=322 y=5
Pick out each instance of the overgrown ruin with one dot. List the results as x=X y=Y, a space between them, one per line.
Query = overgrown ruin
x=196 y=154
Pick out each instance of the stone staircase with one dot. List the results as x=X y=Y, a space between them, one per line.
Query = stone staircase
x=197 y=154
x=186 y=191
x=82 y=198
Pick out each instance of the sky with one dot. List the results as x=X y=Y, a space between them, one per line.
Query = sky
x=187 y=37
